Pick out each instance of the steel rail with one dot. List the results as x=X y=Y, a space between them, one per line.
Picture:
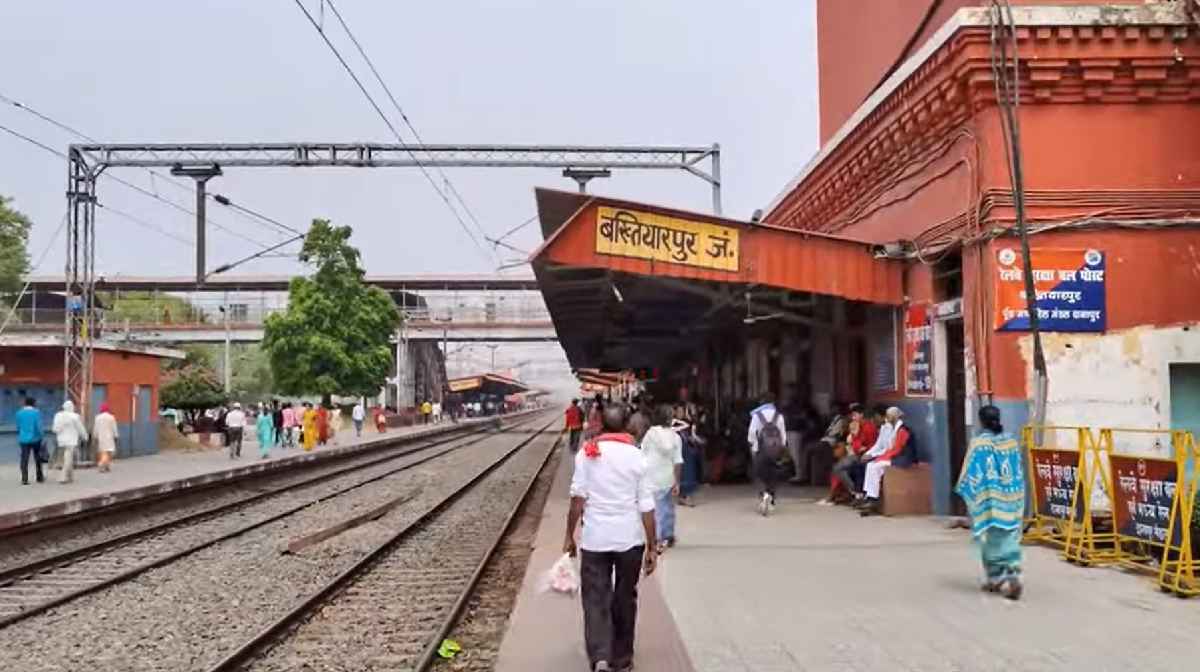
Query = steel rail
x=365 y=449
x=431 y=651
x=121 y=577
x=10 y=574
x=258 y=642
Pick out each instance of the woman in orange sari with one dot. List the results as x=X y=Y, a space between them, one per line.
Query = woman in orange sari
x=322 y=424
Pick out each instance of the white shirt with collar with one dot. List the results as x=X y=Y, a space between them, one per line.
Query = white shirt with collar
x=617 y=492
x=887 y=435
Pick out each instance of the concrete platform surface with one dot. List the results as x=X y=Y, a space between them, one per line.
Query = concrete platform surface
x=148 y=476
x=820 y=589
x=546 y=629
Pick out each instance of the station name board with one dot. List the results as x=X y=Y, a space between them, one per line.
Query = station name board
x=464 y=384
x=646 y=235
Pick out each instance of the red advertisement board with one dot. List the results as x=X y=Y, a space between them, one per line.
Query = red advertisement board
x=918 y=350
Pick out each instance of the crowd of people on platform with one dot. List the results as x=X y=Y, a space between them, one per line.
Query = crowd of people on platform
x=634 y=462
x=285 y=425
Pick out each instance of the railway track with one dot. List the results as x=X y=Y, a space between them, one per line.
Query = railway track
x=47 y=582
x=23 y=548
x=392 y=607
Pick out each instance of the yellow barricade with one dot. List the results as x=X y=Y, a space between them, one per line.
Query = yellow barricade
x=1148 y=478
x=1064 y=465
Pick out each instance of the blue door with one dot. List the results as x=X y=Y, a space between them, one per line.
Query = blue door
x=1185 y=399
x=144 y=428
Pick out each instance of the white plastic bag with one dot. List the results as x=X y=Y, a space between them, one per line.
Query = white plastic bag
x=563 y=577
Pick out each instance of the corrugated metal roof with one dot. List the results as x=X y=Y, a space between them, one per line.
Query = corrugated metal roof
x=616 y=311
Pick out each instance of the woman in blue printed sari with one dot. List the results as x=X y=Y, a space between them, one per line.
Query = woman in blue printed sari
x=992 y=484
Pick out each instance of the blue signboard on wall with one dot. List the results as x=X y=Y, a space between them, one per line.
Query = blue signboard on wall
x=1070 y=287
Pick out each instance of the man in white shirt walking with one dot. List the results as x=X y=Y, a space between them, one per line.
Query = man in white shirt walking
x=618 y=539
x=358 y=415
x=235 y=427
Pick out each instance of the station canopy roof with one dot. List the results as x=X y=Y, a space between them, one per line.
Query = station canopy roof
x=628 y=284
x=487 y=383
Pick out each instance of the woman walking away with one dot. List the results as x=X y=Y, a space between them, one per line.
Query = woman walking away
x=308 y=426
x=70 y=434
x=992 y=484
x=663 y=449
x=289 y=425
x=322 y=424
x=266 y=431
x=105 y=431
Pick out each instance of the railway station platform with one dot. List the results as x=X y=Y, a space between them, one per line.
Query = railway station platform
x=819 y=588
x=171 y=472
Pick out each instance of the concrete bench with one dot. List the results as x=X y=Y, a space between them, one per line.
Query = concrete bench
x=908 y=491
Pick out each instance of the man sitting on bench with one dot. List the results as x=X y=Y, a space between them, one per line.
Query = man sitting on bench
x=900 y=449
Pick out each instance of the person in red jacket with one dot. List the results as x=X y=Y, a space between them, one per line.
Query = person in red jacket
x=574 y=424
x=893 y=448
x=863 y=433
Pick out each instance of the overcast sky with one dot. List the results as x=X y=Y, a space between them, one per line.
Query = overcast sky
x=500 y=71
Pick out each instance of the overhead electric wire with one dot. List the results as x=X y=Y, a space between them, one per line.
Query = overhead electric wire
x=219 y=198
x=392 y=127
x=127 y=183
x=29 y=278
x=257 y=217
x=265 y=253
x=399 y=110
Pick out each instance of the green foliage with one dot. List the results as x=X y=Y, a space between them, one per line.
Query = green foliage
x=252 y=380
x=334 y=337
x=150 y=308
x=14 y=252
x=191 y=385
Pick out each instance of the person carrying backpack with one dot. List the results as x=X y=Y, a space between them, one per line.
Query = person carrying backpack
x=767 y=438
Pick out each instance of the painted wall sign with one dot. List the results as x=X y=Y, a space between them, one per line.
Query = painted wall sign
x=1144 y=492
x=918 y=350
x=646 y=235
x=1069 y=285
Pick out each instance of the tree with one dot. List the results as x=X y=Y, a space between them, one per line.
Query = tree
x=191 y=385
x=334 y=337
x=14 y=252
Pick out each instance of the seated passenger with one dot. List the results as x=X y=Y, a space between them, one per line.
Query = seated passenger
x=847 y=470
x=899 y=449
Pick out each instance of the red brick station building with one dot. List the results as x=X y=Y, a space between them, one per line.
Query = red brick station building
x=888 y=269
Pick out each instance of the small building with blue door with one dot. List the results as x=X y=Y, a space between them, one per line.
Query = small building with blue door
x=125 y=376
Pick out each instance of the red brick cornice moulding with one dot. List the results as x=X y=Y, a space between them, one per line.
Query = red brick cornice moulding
x=1059 y=65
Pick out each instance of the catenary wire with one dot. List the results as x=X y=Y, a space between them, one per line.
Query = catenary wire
x=219 y=198
x=400 y=111
x=29 y=279
x=392 y=127
x=130 y=185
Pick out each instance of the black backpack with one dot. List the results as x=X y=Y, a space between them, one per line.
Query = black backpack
x=909 y=456
x=770 y=439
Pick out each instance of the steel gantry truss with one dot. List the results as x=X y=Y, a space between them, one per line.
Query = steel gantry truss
x=87 y=161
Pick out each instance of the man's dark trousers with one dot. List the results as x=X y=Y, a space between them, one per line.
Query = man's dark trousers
x=30 y=451
x=610 y=608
